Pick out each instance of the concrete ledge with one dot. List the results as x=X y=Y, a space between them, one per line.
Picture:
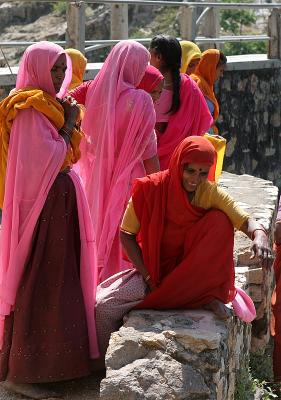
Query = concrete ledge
x=235 y=63
x=251 y=62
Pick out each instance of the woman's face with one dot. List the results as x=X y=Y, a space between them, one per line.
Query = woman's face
x=192 y=65
x=155 y=59
x=193 y=175
x=156 y=92
x=58 y=72
x=219 y=71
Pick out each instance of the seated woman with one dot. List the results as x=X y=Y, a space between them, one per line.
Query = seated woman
x=209 y=70
x=190 y=58
x=178 y=232
x=181 y=110
x=79 y=64
x=47 y=270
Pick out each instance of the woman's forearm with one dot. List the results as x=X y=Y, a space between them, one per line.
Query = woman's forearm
x=252 y=228
x=257 y=233
x=151 y=165
x=134 y=252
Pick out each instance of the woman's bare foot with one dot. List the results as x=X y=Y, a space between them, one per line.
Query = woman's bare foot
x=30 y=390
x=219 y=309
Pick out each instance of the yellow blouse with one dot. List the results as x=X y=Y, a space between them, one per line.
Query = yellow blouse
x=208 y=195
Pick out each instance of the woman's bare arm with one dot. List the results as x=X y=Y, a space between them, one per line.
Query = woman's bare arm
x=134 y=253
x=256 y=232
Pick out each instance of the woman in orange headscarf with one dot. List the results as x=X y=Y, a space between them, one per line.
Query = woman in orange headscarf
x=207 y=72
x=79 y=64
x=178 y=228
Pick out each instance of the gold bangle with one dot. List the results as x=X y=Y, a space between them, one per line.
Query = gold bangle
x=127 y=232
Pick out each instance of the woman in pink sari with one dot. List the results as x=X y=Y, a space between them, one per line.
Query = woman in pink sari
x=181 y=110
x=119 y=126
x=47 y=270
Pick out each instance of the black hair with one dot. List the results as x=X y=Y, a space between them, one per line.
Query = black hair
x=222 y=59
x=170 y=50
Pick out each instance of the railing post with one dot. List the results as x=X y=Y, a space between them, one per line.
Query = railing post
x=274 y=31
x=211 y=26
x=187 y=20
x=75 y=31
x=119 y=21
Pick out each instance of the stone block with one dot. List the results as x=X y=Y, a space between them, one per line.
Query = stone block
x=176 y=355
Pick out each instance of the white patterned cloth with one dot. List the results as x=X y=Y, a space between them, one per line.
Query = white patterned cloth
x=116 y=296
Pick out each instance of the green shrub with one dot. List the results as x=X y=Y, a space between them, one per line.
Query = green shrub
x=60 y=7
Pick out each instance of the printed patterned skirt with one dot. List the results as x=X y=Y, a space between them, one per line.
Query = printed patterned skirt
x=116 y=296
x=46 y=337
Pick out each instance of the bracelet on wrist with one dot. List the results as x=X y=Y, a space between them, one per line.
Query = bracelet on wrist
x=66 y=138
x=65 y=131
x=258 y=229
x=147 y=278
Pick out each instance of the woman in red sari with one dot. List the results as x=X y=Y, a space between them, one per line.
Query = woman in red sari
x=276 y=300
x=178 y=232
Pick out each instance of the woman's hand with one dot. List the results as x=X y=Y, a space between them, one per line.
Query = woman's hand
x=150 y=284
x=260 y=247
x=71 y=111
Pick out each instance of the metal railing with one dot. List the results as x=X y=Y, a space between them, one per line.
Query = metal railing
x=189 y=22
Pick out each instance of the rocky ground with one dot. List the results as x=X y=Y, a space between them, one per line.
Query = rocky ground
x=80 y=389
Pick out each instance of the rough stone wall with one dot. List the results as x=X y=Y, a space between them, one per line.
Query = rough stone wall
x=175 y=355
x=259 y=198
x=250 y=120
x=191 y=355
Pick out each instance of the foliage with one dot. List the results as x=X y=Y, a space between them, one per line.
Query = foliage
x=255 y=379
x=248 y=386
x=257 y=47
x=245 y=387
x=60 y=7
x=236 y=22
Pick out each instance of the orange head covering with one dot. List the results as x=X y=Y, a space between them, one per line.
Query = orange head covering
x=79 y=63
x=205 y=75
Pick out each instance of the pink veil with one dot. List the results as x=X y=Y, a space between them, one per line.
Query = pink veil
x=36 y=154
x=118 y=123
x=34 y=60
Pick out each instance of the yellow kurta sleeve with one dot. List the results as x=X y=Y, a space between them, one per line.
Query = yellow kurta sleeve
x=209 y=195
x=130 y=222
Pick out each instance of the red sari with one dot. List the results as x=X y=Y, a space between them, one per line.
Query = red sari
x=276 y=318
x=188 y=251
